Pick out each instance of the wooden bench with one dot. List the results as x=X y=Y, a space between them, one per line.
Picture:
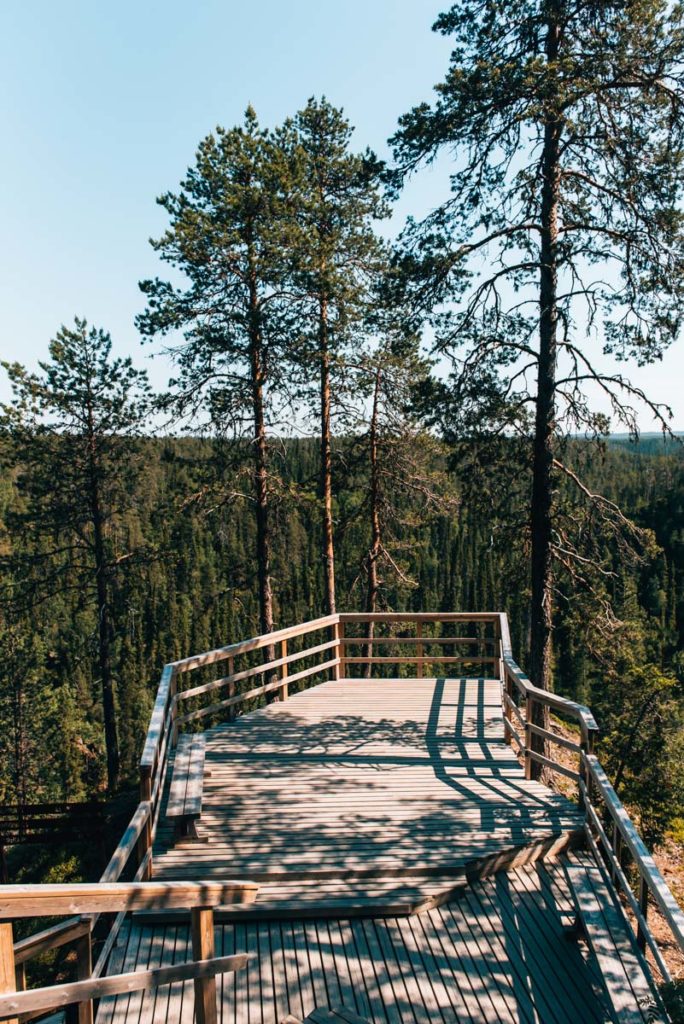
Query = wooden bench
x=625 y=974
x=187 y=785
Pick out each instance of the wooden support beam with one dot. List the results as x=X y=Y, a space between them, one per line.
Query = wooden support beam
x=144 y=841
x=202 y=930
x=84 y=970
x=340 y=670
x=508 y=705
x=283 y=671
x=7 y=966
x=419 y=650
x=529 y=712
x=20 y=977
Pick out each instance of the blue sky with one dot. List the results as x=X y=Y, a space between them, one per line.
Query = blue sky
x=101 y=109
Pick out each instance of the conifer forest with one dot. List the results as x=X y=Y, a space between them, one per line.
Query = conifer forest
x=443 y=417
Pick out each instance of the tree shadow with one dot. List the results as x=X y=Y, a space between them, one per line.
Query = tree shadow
x=317 y=785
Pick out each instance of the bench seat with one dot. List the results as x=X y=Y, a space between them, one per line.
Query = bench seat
x=187 y=784
x=623 y=968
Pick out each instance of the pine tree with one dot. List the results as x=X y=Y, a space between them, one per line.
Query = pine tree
x=336 y=258
x=405 y=487
x=72 y=425
x=567 y=125
x=228 y=236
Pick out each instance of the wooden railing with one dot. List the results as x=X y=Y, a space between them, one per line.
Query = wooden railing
x=521 y=699
x=200 y=898
x=613 y=838
x=610 y=833
x=413 y=644
x=341 y=646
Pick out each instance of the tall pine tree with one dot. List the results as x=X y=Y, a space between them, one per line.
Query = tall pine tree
x=562 y=229
x=336 y=257
x=228 y=236
x=72 y=426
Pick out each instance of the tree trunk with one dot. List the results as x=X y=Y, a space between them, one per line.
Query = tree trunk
x=260 y=467
x=18 y=723
x=325 y=492
x=376 y=540
x=103 y=613
x=545 y=420
x=104 y=640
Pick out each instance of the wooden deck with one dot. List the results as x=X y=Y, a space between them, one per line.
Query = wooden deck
x=364 y=790
x=406 y=869
x=389 y=826
x=498 y=953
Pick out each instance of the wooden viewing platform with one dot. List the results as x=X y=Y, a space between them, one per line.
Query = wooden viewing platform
x=367 y=847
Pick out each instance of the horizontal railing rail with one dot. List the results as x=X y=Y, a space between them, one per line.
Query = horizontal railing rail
x=652 y=889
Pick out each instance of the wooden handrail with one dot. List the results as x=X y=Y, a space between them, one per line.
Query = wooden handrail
x=256 y=670
x=127 y=843
x=147 y=759
x=579 y=712
x=46 y=900
x=51 y=938
x=594 y=784
x=258 y=691
x=420 y=617
x=20 y=901
x=253 y=644
x=657 y=886
x=364 y=641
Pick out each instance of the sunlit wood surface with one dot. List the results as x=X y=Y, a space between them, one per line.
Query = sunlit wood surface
x=369 y=810
x=357 y=785
x=498 y=953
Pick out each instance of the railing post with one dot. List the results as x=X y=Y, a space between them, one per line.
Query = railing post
x=507 y=687
x=20 y=977
x=587 y=745
x=283 y=654
x=173 y=695
x=339 y=671
x=617 y=850
x=84 y=970
x=8 y=979
x=529 y=720
x=231 y=688
x=419 y=650
x=202 y=927
x=145 y=841
x=643 y=906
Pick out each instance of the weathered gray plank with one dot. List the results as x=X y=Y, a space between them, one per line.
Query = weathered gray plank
x=623 y=969
x=187 y=778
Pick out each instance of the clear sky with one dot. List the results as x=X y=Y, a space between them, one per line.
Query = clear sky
x=102 y=107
